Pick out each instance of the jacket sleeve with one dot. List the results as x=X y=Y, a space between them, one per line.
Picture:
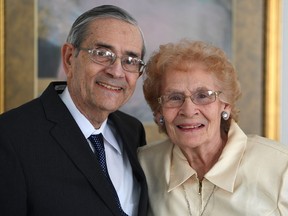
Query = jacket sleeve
x=13 y=198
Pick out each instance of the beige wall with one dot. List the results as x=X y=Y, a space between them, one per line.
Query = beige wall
x=19 y=75
x=248 y=56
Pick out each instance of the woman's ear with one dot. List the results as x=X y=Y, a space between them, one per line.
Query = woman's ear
x=67 y=55
x=227 y=107
x=225 y=114
x=157 y=117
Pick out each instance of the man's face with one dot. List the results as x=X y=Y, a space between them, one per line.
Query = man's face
x=95 y=88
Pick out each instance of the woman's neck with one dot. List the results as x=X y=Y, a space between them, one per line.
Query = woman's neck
x=204 y=157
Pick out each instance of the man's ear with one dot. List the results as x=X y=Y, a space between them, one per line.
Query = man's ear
x=67 y=55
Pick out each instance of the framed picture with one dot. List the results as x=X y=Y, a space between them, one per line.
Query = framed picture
x=1 y=56
x=235 y=26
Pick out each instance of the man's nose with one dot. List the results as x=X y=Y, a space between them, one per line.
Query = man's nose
x=116 y=68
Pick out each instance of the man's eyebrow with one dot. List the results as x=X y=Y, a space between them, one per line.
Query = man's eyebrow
x=132 y=54
x=104 y=45
x=100 y=44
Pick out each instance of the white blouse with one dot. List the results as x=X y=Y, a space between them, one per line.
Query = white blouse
x=250 y=178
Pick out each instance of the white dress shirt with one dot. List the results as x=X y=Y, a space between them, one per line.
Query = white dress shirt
x=118 y=164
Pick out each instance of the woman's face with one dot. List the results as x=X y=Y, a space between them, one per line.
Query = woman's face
x=191 y=125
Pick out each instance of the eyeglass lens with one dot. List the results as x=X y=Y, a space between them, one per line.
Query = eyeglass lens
x=106 y=58
x=198 y=98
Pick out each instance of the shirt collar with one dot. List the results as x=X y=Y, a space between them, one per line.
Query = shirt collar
x=84 y=124
x=223 y=173
x=180 y=169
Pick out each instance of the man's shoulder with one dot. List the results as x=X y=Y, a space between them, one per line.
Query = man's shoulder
x=124 y=117
x=22 y=110
x=31 y=110
x=122 y=114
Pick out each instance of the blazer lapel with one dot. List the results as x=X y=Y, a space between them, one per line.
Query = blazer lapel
x=130 y=142
x=68 y=135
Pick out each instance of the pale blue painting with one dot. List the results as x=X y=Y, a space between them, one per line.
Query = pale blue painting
x=162 y=21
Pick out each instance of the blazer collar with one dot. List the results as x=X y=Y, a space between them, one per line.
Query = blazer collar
x=127 y=137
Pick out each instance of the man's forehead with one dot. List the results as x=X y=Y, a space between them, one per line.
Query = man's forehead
x=116 y=35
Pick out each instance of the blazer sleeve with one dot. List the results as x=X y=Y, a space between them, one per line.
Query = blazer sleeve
x=13 y=197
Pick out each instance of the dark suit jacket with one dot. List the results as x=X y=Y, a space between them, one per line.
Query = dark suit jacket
x=47 y=168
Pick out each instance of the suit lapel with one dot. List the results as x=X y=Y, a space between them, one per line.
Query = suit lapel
x=68 y=135
x=122 y=132
x=130 y=141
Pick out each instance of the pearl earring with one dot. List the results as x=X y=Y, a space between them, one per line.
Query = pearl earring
x=225 y=115
x=161 y=120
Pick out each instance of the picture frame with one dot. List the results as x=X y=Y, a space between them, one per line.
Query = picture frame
x=2 y=56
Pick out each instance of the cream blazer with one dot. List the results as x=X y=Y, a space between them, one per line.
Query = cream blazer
x=249 y=179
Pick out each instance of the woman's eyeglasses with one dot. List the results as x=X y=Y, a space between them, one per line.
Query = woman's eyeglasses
x=202 y=97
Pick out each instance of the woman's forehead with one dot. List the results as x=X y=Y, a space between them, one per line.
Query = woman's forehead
x=192 y=79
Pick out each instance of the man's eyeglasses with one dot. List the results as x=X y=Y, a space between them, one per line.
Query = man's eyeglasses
x=202 y=97
x=106 y=57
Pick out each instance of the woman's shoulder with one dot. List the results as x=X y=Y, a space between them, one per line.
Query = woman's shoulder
x=155 y=160
x=266 y=148
x=155 y=151
x=267 y=143
x=155 y=147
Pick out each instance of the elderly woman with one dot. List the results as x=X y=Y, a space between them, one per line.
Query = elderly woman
x=208 y=165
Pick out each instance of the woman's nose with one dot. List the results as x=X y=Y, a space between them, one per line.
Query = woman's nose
x=188 y=108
